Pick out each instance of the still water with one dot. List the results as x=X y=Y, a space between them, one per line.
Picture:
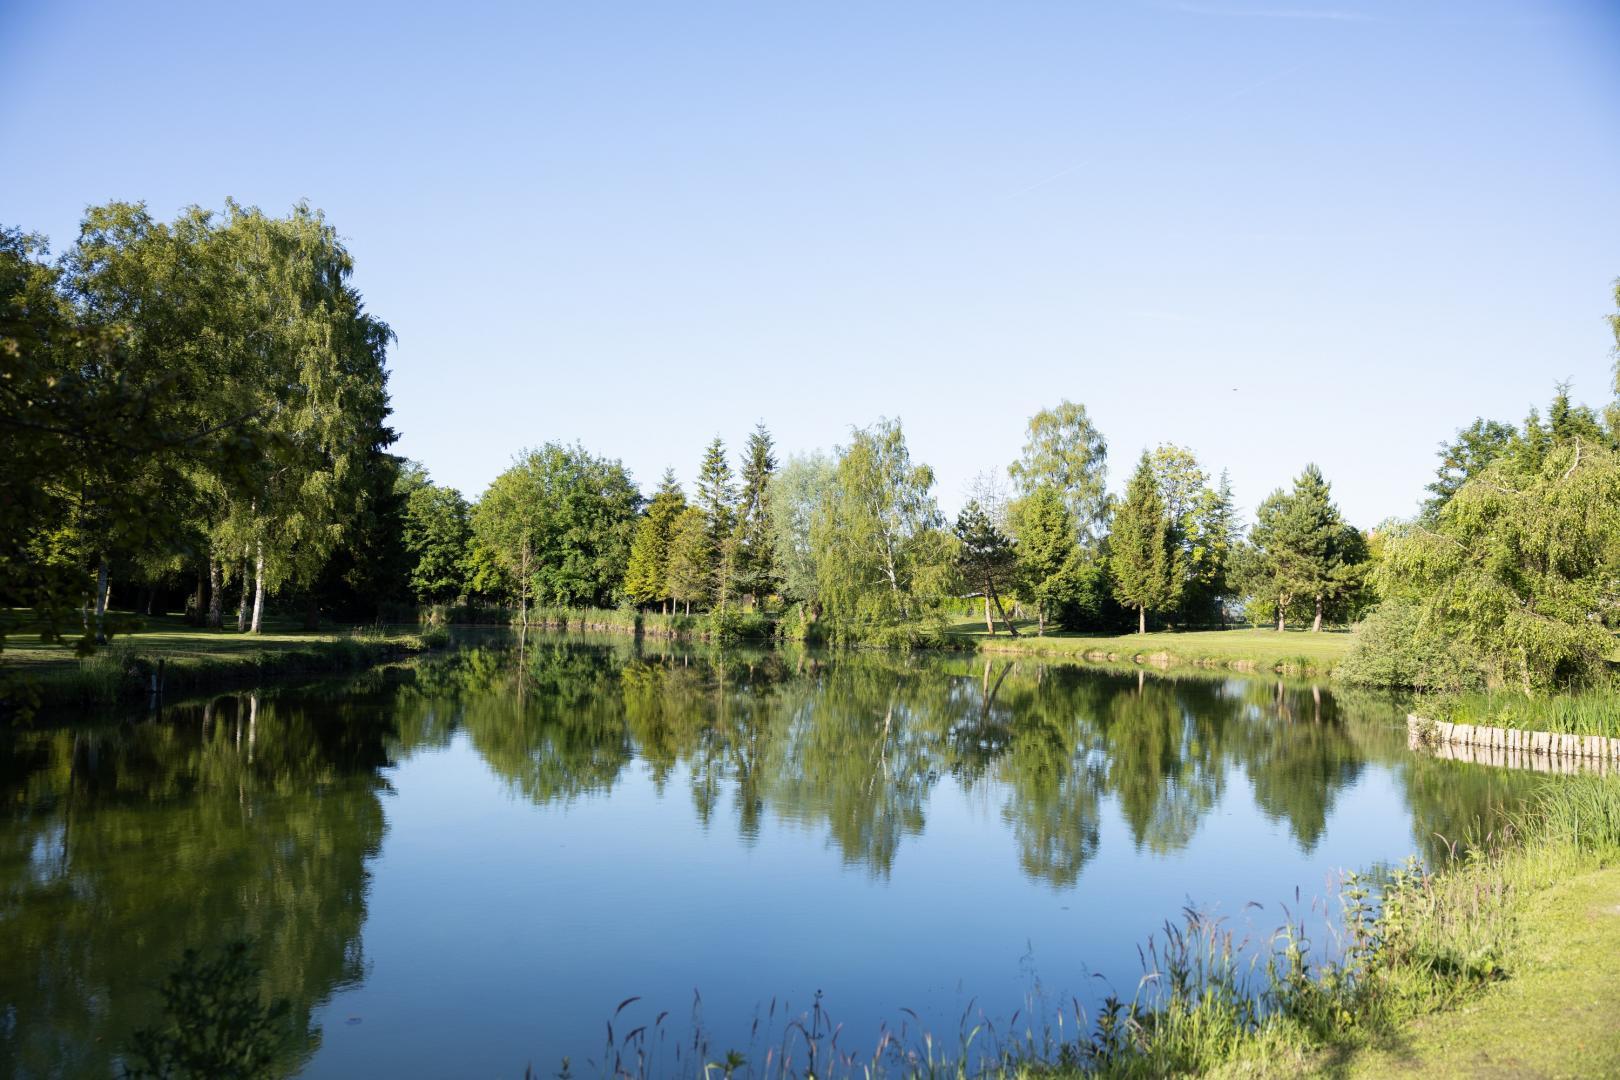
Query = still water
x=462 y=867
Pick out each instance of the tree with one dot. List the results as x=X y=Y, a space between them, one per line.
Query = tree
x=717 y=498
x=756 y=557
x=691 y=559
x=1142 y=548
x=1474 y=447
x=1048 y=552
x=646 y=578
x=1520 y=566
x=876 y=540
x=1211 y=537
x=987 y=559
x=438 y=532
x=797 y=490
x=1302 y=544
x=1063 y=450
x=560 y=522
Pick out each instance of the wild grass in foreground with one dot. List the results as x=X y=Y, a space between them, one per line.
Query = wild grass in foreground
x=1584 y=712
x=1411 y=941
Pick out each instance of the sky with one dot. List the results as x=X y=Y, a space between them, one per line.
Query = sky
x=1271 y=231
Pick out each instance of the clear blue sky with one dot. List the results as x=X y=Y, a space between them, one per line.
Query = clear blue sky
x=1273 y=231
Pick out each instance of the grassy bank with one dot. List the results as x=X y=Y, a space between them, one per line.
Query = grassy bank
x=1289 y=652
x=1586 y=712
x=49 y=675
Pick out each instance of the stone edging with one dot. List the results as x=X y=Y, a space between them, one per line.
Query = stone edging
x=1421 y=731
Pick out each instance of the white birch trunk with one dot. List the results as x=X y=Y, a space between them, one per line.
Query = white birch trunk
x=258 y=588
x=102 y=588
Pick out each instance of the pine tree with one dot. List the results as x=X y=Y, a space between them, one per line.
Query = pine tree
x=756 y=564
x=717 y=499
x=987 y=559
x=1302 y=544
x=1143 y=551
x=646 y=577
x=691 y=559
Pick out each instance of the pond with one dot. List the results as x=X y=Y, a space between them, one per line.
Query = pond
x=463 y=866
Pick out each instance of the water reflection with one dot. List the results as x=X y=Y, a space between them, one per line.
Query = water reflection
x=259 y=814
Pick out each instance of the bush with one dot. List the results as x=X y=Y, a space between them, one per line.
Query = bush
x=1390 y=647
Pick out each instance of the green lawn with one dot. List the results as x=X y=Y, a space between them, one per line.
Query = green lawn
x=170 y=637
x=1559 y=1016
x=1261 y=650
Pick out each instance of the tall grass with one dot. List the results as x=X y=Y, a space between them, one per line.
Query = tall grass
x=1584 y=712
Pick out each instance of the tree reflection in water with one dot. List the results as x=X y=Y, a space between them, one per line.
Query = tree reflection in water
x=256 y=814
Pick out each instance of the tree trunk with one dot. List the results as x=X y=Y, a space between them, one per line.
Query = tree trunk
x=216 y=598
x=1141 y=619
x=103 y=587
x=247 y=585
x=258 y=589
x=1282 y=608
x=1040 y=620
x=198 y=599
x=1011 y=629
x=689 y=607
x=1316 y=624
x=989 y=623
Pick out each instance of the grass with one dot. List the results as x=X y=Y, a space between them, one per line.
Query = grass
x=1290 y=652
x=45 y=674
x=1586 y=712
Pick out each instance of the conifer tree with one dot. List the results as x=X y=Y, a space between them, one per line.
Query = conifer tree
x=717 y=499
x=691 y=559
x=987 y=559
x=1144 y=556
x=1302 y=546
x=1048 y=551
x=646 y=577
x=756 y=563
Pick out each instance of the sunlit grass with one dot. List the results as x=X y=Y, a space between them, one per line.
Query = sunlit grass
x=1292 y=651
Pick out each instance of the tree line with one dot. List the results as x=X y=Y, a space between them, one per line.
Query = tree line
x=200 y=407
x=852 y=545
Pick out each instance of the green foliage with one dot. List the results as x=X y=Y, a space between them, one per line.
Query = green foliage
x=1302 y=551
x=438 y=535
x=880 y=554
x=1051 y=569
x=1519 y=568
x=717 y=498
x=755 y=569
x=646 y=578
x=1143 y=555
x=559 y=523
x=796 y=490
x=216 y=1023
x=1392 y=647
x=1474 y=447
x=985 y=558
x=691 y=558
x=1065 y=451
